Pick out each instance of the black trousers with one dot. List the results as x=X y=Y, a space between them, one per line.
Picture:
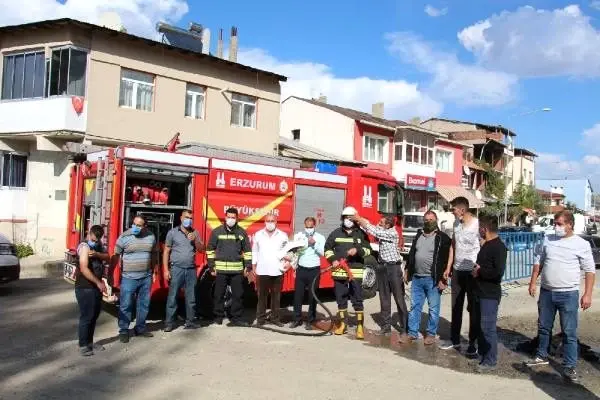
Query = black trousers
x=304 y=280
x=268 y=284
x=352 y=290
x=236 y=281
x=390 y=282
x=90 y=305
x=463 y=285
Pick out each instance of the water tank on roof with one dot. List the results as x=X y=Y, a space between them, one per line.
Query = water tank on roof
x=321 y=166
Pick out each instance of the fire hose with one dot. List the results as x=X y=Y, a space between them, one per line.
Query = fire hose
x=341 y=265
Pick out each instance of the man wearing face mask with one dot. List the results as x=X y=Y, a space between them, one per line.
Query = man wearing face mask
x=309 y=264
x=229 y=256
x=560 y=261
x=466 y=244
x=181 y=245
x=349 y=243
x=266 y=264
x=139 y=256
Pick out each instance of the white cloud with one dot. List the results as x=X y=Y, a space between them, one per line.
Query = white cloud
x=532 y=42
x=557 y=166
x=469 y=85
x=435 y=12
x=138 y=16
x=306 y=79
x=591 y=160
x=591 y=138
x=595 y=4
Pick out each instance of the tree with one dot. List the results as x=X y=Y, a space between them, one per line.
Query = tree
x=573 y=208
x=526 y=196
x=494 y=188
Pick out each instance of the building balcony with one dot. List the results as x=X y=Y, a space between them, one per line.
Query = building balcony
x=42 y=115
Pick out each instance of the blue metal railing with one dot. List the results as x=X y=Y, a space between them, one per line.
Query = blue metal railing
x=521 y=248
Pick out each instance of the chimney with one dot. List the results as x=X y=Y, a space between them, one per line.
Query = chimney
x=377 y=110
x=220 y=44
x=233 y=45
x=296 y=134
x=322 y=99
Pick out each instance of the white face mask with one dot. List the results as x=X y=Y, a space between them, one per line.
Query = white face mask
x=309 y=231
x=348 y=223
x=270 y=226
x=560 y=231
x=230 y=222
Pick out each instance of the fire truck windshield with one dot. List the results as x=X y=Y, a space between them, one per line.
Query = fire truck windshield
x=386 y=199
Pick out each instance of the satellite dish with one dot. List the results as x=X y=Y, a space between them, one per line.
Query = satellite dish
x=111 y=20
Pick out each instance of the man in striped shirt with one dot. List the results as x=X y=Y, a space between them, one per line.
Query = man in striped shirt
x=139 y=256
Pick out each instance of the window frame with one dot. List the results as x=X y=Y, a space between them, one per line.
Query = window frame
x=24 y=53
x=450 y=155
x=420 y=145
x=367 y=137
x=136 y=84
x=195 y=95
x=48 y=72
x=3 y=154
x=244 y=103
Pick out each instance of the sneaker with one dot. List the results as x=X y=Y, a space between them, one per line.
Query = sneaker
x=308 y=326
x=124 y=337
x=86 y=351
x=145 y=334
x=238 y=324
x=277 y=323
x=218 y=321
x=295 y=324
x=471 y=351
x=570 y=374
x=447 y=345
x=168 y=328
x=98 y=347
x=534 y=362
x=485 y=368
x=190 y=325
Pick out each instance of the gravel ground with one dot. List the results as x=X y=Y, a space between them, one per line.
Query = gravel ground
x=39 y=358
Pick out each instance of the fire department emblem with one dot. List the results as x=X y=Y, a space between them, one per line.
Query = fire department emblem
x=283 y=187
x=367 y=199
x=220 y=180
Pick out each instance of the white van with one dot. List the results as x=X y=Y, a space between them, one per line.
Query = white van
x=546 y=224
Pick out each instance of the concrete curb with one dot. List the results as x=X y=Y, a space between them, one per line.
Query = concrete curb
x=40 y=268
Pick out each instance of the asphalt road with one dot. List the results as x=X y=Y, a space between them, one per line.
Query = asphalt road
x=39 y=359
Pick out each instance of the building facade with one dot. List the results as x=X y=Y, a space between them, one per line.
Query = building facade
x=523 y=167
x=576 y=191
x=69 y=81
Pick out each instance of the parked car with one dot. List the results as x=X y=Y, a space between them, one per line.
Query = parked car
x=516 y=242
x=594 y=242
x=592 y=229
x=10 y=268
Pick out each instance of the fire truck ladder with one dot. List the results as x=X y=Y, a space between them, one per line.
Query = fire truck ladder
x=103 y=193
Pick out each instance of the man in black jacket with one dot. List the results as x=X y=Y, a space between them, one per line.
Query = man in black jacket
x=488 y=272
x=430 y=254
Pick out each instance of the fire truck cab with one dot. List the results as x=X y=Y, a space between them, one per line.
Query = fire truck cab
x=110 y=188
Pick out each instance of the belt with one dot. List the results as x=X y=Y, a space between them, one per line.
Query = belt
x=390 y=263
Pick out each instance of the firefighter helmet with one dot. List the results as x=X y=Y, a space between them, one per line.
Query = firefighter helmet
x=349 y=211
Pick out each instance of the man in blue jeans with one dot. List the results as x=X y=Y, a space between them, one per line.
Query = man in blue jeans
x=488 y=272
x=179 y=267
x=137 y=249
x=561 y=259
x=430 y=255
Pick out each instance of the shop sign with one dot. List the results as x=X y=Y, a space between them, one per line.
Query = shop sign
x=417 y=182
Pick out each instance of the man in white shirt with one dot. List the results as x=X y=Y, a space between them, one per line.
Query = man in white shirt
x=266 y=264
x=561 y=259
x=466 y=243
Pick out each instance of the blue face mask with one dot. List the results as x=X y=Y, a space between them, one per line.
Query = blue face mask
x=135 y=229
x=187 y=222
x=91 y=244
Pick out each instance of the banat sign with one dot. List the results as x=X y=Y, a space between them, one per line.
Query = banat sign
x=248 y=182
x=423 y=182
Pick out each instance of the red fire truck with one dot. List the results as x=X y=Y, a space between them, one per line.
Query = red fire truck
x=110 y=187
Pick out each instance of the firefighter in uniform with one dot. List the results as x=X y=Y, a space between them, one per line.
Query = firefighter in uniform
x=350 y=244
x=229 y=256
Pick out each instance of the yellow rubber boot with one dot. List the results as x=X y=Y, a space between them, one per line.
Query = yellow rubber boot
x=341 y=328
x=360 y=325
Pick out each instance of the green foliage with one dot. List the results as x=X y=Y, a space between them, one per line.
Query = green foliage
x=527 y=197
x=494 y=186
x=24 y=250
x=494 y=209
x=573 y=208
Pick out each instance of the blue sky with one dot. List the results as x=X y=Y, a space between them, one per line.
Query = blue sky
x=474 y=60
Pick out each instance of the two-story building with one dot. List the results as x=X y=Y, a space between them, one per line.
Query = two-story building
x=70 y=81
x=417 y=157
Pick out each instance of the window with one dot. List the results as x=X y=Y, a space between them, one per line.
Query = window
x=398 y=152
x=23 y=76
x=194 y=101
x=443 y=161
x=137 y=90
x=386 y=199
x=419 y=148
x=374 y=149
x=530 y=177
x=14 y=170
x=66 y=72
x=243 y=110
